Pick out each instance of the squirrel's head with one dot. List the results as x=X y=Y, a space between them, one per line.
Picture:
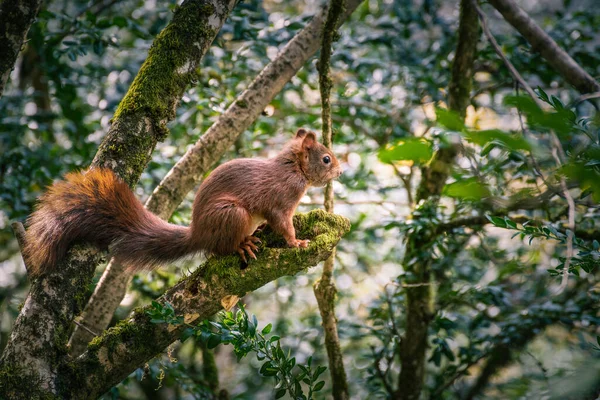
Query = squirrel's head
x=316 y=161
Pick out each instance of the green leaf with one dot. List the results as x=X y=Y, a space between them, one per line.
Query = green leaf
x=449 y=119
x=319 y=386
x=318 y=372
x=468 y=189
x=280 y=393
x=120 y=21
x=498 y=137
x=267 y=329
x=268 y=369
x=587 y=177
x=417 y=150
x=213 y=341
x=497 y=221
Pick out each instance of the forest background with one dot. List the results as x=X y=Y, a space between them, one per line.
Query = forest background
x=471 y=148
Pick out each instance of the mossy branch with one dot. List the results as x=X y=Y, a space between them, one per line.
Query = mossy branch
x=120 y=350
x=141 y=118
x=324 y=288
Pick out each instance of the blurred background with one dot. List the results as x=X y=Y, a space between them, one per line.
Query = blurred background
x=391 y=69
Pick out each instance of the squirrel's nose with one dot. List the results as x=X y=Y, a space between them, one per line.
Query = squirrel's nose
x=340 y=172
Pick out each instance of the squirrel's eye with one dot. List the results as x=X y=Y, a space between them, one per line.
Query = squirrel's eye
x=326 y=159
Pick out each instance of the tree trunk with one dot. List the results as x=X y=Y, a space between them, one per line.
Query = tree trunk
x=324 y=288
x=420 y=298
x=16 y=17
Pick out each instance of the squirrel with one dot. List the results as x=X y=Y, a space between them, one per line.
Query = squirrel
x=97 y=207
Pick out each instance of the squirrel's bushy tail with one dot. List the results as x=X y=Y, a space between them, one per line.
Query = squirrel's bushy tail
x=98 y=208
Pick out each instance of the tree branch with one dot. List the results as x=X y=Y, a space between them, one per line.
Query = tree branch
x=541 y=42
x=498 y=50
x=111 y=357
x=16 y=17
x=197 y=161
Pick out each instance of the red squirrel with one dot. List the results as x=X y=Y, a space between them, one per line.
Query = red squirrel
x=97 y=207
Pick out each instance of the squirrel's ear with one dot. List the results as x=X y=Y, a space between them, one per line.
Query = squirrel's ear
x=301 y=133
x=309 y=140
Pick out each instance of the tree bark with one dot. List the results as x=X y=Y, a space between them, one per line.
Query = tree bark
x=39 y=338
x=419 y=293
x=541 y=42
x=197 y=161
x=16 y=17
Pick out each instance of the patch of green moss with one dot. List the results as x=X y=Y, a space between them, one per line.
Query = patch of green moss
x=133 y=153
x=133 y=333
x=323 y=229
x=164 y=75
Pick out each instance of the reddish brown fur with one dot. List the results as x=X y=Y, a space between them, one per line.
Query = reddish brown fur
x=96 y=207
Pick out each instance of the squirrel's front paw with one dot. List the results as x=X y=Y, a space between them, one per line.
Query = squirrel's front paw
x=299 y=243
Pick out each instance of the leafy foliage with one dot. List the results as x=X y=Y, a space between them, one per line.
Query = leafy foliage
x=241 y=331
x=494 y=304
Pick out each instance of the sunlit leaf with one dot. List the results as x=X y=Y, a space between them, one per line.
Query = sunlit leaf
x=410 y=149
x=449 y=119
x=512 y=142
x=468 y=189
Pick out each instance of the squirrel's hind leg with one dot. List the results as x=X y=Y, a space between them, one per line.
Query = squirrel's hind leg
x=225 y=228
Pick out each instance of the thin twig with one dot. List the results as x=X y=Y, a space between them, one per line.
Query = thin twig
x=585 y=97
x=489 y=88
x=380 y=373
x=407 y=184
x=498 y=50
x=391 y=307
x=571 y=225
x=85 y=328
x=457 y=375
